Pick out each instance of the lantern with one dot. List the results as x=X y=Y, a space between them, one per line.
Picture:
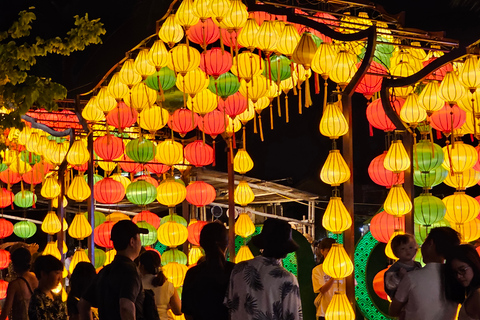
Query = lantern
x=3 y=289
x=427 y=155
x=376 y=114
x=140 y=150
x=100 y=257
x=142 y=64
x=233 y=105
x=80 y=228
x=25 y=199
x=402 y=69
x=215 y=62
x=344 y=68
x=116 y=88
x=411 y=113
x=51 y=188
x=243 y=254
x=128 y=165
x=78 y=189
x=382 y=176
x=242 y=162
x=460 y=158
x=254 y=89
x=169 y=152
x=205 y=32
x=204 y=102
x=448 y=118
x=141 y=192
x=98 y=218
x=336 y=218
x=90 y=113
x=172 y=234
x=4 y=258
x=225 y=86
x=122 y=116
x=104 y=101
x=148 y=179
x=244 y=226
x=9 y=177
x=243 y=194
x=122 y=179
x=141 y=96
x=182 y=59
x=194 y=255
x=337 y=264
x=428 y=209
x=288 y=40
x=248 y=35
x=51 y=224
x=200 y=193
x=78 y=153
x=388 y=248
x=109 y=147
x=170 y=193
x=429 y=98
x=213 y=123
x=108 y=191
x=397 y=203
x=462 y=180
x=339 y=308
x=469 y=231
x=109 y=256
x=156 y=168
x=52 y=249
x=305 y=50
x=24 y=229
x=6 y=198
x=397 y=159
x=421 y=232
x=174 y=217
x=451 y=90
x=194 y=230
x=151 y=237
x=333 y=123
x=171 y=31
x=174 y=255
x=183 y=121
x=372 y=81
x=153 y=119
x=461 y=208
x=6 y=228
x=383 y=225
x=78 y=256
x=199 y=153
x=244 y=67
x=149 y=217
x=335 y=170
x=102 y=235
x=429 y=179
x=175 y=273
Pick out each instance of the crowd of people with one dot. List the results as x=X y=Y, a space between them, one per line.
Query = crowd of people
x=133 y=286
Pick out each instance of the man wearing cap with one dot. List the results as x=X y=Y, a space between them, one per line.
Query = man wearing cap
x=261 y=288
x=117 y=290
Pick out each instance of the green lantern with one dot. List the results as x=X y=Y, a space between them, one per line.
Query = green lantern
x=151 y=237
x=225 y=85
x=96 y=178
x=30 y=157
x=429 y=179
x=383 y=52
x=3 y=167
x=280 y=66
x=174 y=217
x=421 y=232
x=141 y=192
x=427 y=156
x=428 y=209
x=99 y=217
x=25 y=199
x=174 y=255
x=100 y=257
x=24 y=229
x=166 y=77
x=317 y=40
x=140 y=150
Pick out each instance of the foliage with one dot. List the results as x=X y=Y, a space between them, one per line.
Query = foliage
x=19 y=90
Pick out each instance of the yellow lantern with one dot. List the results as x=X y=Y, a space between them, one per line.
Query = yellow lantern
x=116 y=216
x=333 y=123
x=91 y=112
x=243 y=194
x=158 y=55
x=245 y=65
x=336 y=218
x=51 y=188
x=335 y=171
x=42 y=145
x=429 y=98
x=51 y=224
x=469 y=231
x=182 y=59
x=288 y=40
x=243 y=254
x=402 y=70
x=122 y=179
x=109 y=256
x=55 y=202
x=248 y=35
x=451 y=90
x=339 y=308
x=194 y=254
x=105 y=102
x=242 y=163
x=32 y=143
x=172 y=234
x=244 y=226
x=24 y=135
x=78 y=153
x=470 y=103
x=462 y=180
x=128 y=75
x=107 y=166
x=397 y=203
x=305 y=50
x=201 y=9
x=171 y=31
x=404 y=56
x=175 y=273
x=204 y=102
x=192 y=82
x=411 y=113
x=169 y=152
x=140 y=97
x=153 y=118
x=219 y=9
x=460 y=158
x=52 y=249
x=246 y=115
x=267 y=37
x=80 y=228
x=388 y=248
x=78 y=256
x=397 y=159
x=55 y=151
x=236 y=16
x=142 y=65
x=233 y=125
x=344 y=68
x=337 y=264
x=461 y=208
x=185 y=15
x=469 y=75
x=170 y=193
x=19 y=166
x=64 y=245
x=254 y=89
x=116 y=88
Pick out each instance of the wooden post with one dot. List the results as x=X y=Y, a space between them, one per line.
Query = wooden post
x=90 y=200
x=231 y=202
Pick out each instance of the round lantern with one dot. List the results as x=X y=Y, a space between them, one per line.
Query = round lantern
x=122 y=116
x=174 y=255
x=183 y=58
x=122 y=179
x=141 y=192
x=128 y=165
x=372 y=81
x=242 y=163
x=172 y=234
x=108 y=190
x=100 y=257
x=140 y=150
x=98 y=218
x=149 y=217
x=116 y=216
x=148 y=179
x=175 y=273
x=140 y=97
x=162 y=80
x=115 y=88
x=156 y=168
x=461 y=208
x=6 y=198
x=25 y=199
x=336 y=218
x=243 y=194
x=195 y=254
x=213 y=123
x=383 y=225
x=51 y=224
x=243 y=254
x=335 y=171
x=469 y=231
x=183 y=121
x=109 y=147
x=90 y=112
x=199 y=153
x=194 y=230
x=170 y=193
x=429 y=179
x=411 y=113
x=154 y=118
x=382 y=176
x=397 y=159
x=462 y=180
x=397 y=203
x=244 y=226
x=10 y=177
x=151 y=237
x=78 y=153
x=6 y=228
x=204 y=102
x=225 y=86
x=429 y=98
x=451 y=90
x=448 y=118
x=109 y=256
x=107 y=166
x=78 y=256
x=3 y=289
x=24 y=229
x=128 y=75
x=340 y=307
x=52 y=249
x=388 y=248
x=460 y=158
x=215 y=62
x=4 y=258
x=102 y=235
x=50 y=188
x=344 y=68
x=78 y=189
x=333 y=123
x=376 y=114
x=421 y=232
x=169 y=152
x=174 y=217
x=80 y=228
x=200 y=193
x=337 y=264
x=204 y=33
x=427 y=155
x=171 y=31
x=428 y=209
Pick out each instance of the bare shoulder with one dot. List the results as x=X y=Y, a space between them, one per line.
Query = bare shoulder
x=472 y=305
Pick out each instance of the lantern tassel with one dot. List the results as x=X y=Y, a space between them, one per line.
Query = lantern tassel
x=221 y=40
x=255 y=124
x=214 y=156
x=325 y=89
x=370 y=129
x=308 y=97
x=317 y=83
x=260 y=126
x=233 y=135
x=271 y=116
x=300 y=100
x=286 y=109
x=244 y=137
x=279 y=107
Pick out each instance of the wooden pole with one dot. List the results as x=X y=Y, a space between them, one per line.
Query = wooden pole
x=231 y=202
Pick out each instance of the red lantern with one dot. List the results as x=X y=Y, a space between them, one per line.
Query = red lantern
x=3 y=289
x=476 y=167
x=148 y=179
x=378 y=284
x=122 y=116
x=4 y=258
x=109 y=191
x=230 y=38
x=443 y=119
x=233 y=105
x=372 y=81
x=199 y=153
x=327 y=19
x=383 y=225
x=6 y=198
x=261 y=16
x=183 y=121
x=10 y=177
x=82 y=168
x=101 y=234
x=6 y=228
x=440 y=73
x=200 y=193
x=213 y=123
x=376 y=115
x=215 y=62
x=156 y=168
x=129 y=165
x=204 y=33
x=194 y=231
x=35 y=176
x=109 y=147
x=148 y=217
x=382 y=176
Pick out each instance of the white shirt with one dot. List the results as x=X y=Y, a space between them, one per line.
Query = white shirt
x=319 y=278
x=424 y=293
x=162 y=295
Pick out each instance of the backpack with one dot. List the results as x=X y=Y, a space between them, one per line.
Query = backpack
x=149 y=308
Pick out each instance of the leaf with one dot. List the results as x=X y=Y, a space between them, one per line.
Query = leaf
x=263 y=316
x=279 y=272
x=233 y=304
x=278 y=310
x=239 y=268
x=285 y=289
x=250 y=304
x=252 y=278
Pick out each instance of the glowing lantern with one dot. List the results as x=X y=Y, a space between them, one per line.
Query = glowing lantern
x=429 y=98
x=3 y=289
x=52 y=249
x=105 y=102
x=157 y=55
x=462 y=180
x=169 y=152
x=98 y=218
x=141 y=96
x=242 y=163
x=244 y=66
x=248 y=35
x=55 y=202
x=428 y=155
x=288 y=40
x=183 y=121
x=6 y=228
x=382 y=176
x=128 y=75
x=460 y=158
x=200 y=193
x=448 y=118
x=376 y=114
x=161 y=80
x=107 y=166
x=109 y=256
x=233 y=126
x=171 y=31
x=236 y=17
x=122 y=116
x=397 y=202
x=224 y=86
x=24 y=229
x=141 y=192
x=102 y=235
x=339 y=308
x=79 y=189
x=80 y=228
x=108 y=190
x=429 y=179
x=142 y=64
x=204 y=33
x=219 y=9
x=91 y=112
x=116 y=216
x=411 y=113
x=19 y=166
x=56 y=152
x=122 y=179
x=78 y=256
x=337 y=264
x=172 y=234
x=194 y=230
x=244 y=226
x=333 y=123
x=344 y=68
x=156 y=168
x=199 y=153
x=428 y=209
x=140 y=150
x=128 y=165
x=9 y=177
x=213 y=123
x=254 y=89
x=175 y=273
x=397 y=159
x=469 y=75
x=78 y=153
x=383 y=225
x=336 y=218
x=183 y=59
x=195 y=254
x=267 y=37
x=174 y=255
x=371 y=82
x=6 y=198
x=109 y=147
x=186 y=14
x=51 y=188
x=243 y=254
x=4 y=258
x=193 y=82
x=403 y=70
x=116 y=88
x=51 y=224
x=451 y=90
x=324 y=58
x=379 y=284
x=203 y=102
x=243 y=194
x=305 y=51
x=151 y=237
x=469 y=231
x=214 y=62
x=335 y=171
x=100 y=257
x=170 y=193
x=388 y=248
x=461 y=208
x=153 y=118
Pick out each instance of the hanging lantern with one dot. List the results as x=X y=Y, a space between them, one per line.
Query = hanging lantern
x=219 y=9
x=122 y=179
x=448 y=118
x=116 y=88
x=339 y=308
x=174 y=255
x=25 y=199
x=372 y=81
x=213 y=123
x=128 y=75
x=156 y=168
x=461 y=208
x=397 y=203
x=244 y=66
x=267 y=37
x=142 y=64
x=254 y=89
x=78 y=256
x=194 y=255
x=52 y=249
x=24 y=229
x=194 y=230
x=335 y=171
x=462 y=180
x=376 y=114
x=469 y=75
x=248 y=35
x=244 y=226
x=183 y=121
x=175 y=273
x=19 y=166
x=243 y=194
x=153 y=119
x=170 y=193
x=80 y=228
x=151 y=237
x=141 y=192
x=397 y=159
x=411 y=113
x=429 y=98
x=104 y=101
x=421 y=232
x=140 y=150
x=51 y=224
x=109 y=256
x=157 y=55
x=109 y=147
x=9 y=177
x=108 y=190
x=427 y=155
x=56 y=152
x=182 y=59
x=90 y=113
x=55 y=202
x=141 y=96
x=305 y=51
x=172 y=234
x=6 y=198
x=429 y=179
x=163 y=79
x=383 y=225
x=102 y=235
x=4 y=258
x=100 y=257
x=128 y=165
x=460 y=158
x=149 y=217
x=203 y=33
x=78 y=153
x=242 y=163
x=402 y=70
x=200 y=193
x=186 y=14
x=78 y=189
x=193 y=82
x=288 y=40
x=382 y=176
x=243 y=254
x=337 y=264
x=199 y=153
x=428 y=209
x=6 y=228
x=388 y=248
x=451 y=90
x=224 y=86
x=171 y=31
x=169 y=152
x=469 y=231
x=333 y=123
x=336 y=218
x=203 y=102
x=98 y=218
x=122 y=116
x=344 y=68
x=116 y=216
x=215 y=62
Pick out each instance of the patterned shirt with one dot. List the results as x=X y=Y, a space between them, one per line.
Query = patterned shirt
x=261 y=289
x=43 y=308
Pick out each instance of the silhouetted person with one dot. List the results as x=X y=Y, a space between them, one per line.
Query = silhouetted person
x=82 y=277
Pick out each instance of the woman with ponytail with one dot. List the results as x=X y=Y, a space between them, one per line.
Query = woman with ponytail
x=206 y=283
x=166 y=296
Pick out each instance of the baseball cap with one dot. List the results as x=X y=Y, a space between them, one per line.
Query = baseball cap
x=124 y=230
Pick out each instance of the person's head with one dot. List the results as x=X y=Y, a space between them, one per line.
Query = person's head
x=439 y=243
x=325 y=245
x=21 y=260
x=214 y=239
x=464 y=264
x=48 y=271
x=81 y=278
x=275 y=239
x=404 y=247
x=126 y=238
x=150 y=262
